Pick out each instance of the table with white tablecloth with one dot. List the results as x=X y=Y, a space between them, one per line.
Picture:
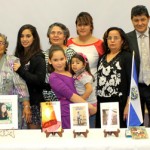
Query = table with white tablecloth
x=95 y=140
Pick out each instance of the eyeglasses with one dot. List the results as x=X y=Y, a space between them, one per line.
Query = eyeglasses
x=2 y=43
x=57 y=33
x=115 y=38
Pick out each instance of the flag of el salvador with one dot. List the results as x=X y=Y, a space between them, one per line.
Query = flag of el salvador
x=135 y=117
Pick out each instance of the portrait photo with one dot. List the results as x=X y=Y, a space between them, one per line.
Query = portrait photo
x=5 y=113
x=8 y=112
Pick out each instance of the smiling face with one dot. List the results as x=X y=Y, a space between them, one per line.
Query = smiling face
x=140 y=23
x=114 y=41
x=26 y=38
x=56 y=36
x=58 y=61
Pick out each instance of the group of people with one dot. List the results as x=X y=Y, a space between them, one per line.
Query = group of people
x=83 y=69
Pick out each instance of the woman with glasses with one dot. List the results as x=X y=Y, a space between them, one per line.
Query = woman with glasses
x=114 y=73
x=12 y=84
x=57 y=34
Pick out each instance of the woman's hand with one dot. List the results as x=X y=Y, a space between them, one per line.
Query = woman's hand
x=27 y=113
x=126 y=110
x=16 y=66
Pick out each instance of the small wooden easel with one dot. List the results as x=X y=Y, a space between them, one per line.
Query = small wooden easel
x=116 y=133
x=79 y=133
x=54 y=133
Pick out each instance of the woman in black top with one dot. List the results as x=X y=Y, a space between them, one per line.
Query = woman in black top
x=32 y=69
x=114 y=73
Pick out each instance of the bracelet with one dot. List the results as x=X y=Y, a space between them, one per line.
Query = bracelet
x=27 y=106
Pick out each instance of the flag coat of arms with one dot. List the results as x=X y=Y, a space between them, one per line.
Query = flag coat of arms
x=135 y=117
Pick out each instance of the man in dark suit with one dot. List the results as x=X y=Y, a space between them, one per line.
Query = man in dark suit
x=140 y=19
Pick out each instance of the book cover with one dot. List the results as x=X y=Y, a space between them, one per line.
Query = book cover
x=51 y=117
x=138 y=132
x=79 y=117
x=109 y=116
x=8 y=112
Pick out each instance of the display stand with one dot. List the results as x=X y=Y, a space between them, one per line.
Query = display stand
x=80 y=133
x=54 y=133
x=116 y=133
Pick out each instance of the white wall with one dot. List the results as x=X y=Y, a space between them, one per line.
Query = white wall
x=42 y=13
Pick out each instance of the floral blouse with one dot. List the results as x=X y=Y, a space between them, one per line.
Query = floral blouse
x=10 y=82
x=113 y=75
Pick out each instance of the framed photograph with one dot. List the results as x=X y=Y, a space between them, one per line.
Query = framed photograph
x=110 y=116
x=8 y=112
x=51 y=116
x=79 y=117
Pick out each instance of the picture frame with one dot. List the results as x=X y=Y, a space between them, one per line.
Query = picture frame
x=79 y=117
x=51 y=116
x=8 y=112
x=110 y=116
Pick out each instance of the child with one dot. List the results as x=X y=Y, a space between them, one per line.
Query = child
x=62 y=83
x=84 y=81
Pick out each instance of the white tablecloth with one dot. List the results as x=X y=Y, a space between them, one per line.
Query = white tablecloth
x=36 y=140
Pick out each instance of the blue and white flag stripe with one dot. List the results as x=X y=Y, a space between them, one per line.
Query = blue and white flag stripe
x=135 y=117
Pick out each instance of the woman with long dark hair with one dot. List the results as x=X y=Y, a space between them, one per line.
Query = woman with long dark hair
x=32 y=69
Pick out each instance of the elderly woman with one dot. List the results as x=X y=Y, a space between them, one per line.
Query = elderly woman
x=11 y=83
x=114 y=73
x=57 y=34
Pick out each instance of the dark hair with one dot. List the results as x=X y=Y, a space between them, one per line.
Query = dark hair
x=125 y=45
x=63 y=27
x=5 y=113
x=52 y=50
x=139 y=10
x=85 y=18
x=34 y=48
x=85 y=61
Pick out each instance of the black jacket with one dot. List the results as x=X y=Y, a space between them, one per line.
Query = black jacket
x=34 y=73
x=133 y=43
